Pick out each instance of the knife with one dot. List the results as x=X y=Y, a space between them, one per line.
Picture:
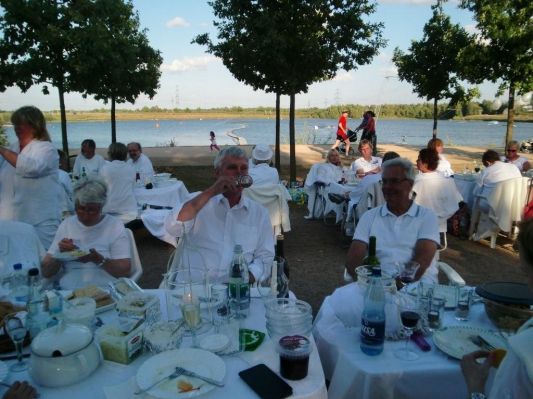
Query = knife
x=201 y=377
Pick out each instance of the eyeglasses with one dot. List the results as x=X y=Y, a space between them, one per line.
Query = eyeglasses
x=393 y=181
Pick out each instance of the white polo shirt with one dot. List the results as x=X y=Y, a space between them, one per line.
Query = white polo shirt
x=396 y=236
x=367 y=166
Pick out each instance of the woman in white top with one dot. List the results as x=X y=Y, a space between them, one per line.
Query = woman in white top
x=30 y=185
x=511 y=156
x=100 y=238
x=444 y=167
x=514 y=377
x=367 y=164
x=120 y=179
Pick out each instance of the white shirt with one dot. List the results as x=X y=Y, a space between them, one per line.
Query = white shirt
x=92 y=166
x=518 y=162
x=37 y=193
x=7 y=186
x=328 y=173
x=367 y=181
x=212 y=235
x=444 y=167
x=19 y=243
x=367 y=166
x=495 y=173
x=108 y=238
x=437 y=193
x=143 y=165
x=264 y=174
x=66 y=194
x=398 y=235
x=120 y=180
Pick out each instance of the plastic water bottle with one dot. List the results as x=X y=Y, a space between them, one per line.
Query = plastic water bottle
x=239 y=284
x=37 y=318
x=373 y=318
x=19 y=284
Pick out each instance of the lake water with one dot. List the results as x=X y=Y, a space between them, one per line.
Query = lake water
x=151 y=133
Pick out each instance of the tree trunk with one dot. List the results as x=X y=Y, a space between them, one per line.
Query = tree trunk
x=292 y=141
x=510 y=113
x=113 y=121
x=64 y=137
x=435 y=110
x=277 y=159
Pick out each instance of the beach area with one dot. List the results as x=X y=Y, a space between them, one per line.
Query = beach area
x=316 y=252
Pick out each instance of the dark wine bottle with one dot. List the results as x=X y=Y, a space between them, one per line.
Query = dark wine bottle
x=371 y=259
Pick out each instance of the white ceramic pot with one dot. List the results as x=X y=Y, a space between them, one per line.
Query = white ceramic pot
x=63 y=354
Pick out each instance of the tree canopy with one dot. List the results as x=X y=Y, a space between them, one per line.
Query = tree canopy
x=431 y=65
x=501 y=50
x=283 y=46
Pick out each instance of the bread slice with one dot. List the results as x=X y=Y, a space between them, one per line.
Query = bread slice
x=101 y=296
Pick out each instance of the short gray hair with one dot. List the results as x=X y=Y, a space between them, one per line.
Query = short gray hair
x=117 y=151
x=236 y=152
x=92 y=191
x=404 y=163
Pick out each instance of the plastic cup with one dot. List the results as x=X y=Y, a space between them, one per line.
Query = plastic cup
x=80 y=311
x=294 y=351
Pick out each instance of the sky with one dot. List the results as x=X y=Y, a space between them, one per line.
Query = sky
x=192 y=78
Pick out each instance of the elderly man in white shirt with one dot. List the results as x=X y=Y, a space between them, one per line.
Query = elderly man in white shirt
x=140 y=162
x=88 y=160
x=405 y=231
x=495 y=171
x=260 y=169
x=220 y=217
x=367 y=164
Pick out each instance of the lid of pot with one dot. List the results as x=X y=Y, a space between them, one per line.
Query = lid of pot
x=506 y=292
x=62 y=339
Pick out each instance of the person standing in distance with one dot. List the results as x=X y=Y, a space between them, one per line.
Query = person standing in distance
x=342 y=133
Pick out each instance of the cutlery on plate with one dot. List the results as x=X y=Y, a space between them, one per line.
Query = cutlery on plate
x=175 y=374
x=481 y=342
x=201 y=377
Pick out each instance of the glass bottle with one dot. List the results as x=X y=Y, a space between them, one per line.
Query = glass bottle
x=373 y=317
x=239 y=280
x=371 y=259
x=282 y=268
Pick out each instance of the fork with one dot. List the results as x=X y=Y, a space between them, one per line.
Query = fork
x=482 y=343
x=175 y=374
x=201 y=377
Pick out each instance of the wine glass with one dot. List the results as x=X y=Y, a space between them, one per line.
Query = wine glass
x=16 y=330
x=408 y=272
x=409 y=315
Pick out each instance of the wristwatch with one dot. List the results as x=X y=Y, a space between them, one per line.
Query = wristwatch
x=104 y=260
x=477 y=395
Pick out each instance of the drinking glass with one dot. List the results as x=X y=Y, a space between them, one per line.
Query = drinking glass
x=464 y=297
x=408 y=272
x=409 y=315
x=16 y=330
x=266 y=285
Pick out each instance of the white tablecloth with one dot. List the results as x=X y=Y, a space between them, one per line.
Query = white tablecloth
x=466 y=185
x=354 y=375
x=168 y=195
x=113 y=380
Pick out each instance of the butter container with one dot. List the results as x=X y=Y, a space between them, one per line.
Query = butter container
x=140 y=304
x=119 y=346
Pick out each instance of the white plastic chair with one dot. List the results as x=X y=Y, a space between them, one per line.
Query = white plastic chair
x=453 y=277
x=136 y=266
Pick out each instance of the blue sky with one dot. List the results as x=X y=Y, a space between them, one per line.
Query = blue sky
x=192 y=78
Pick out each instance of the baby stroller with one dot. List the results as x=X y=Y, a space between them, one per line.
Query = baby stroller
x=352 y=136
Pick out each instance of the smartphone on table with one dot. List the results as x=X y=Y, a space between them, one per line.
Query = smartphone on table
x=266 y=383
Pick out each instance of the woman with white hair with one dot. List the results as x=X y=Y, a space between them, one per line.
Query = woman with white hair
x=260 y=169
x=89 y=247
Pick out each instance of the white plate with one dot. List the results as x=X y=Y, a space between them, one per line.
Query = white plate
x=3 y=371
x=70 y=255
x=214 y=343
x=200 y=361
x=105 y=308
x=455 y=340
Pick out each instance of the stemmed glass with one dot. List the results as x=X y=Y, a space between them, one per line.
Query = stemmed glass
x=16 y=330
x=409 y=315
x=408 y=272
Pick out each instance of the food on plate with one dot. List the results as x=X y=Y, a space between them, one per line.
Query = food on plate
x=101 y=296
x=186 y=386
x=7 y=308
x=497 y=356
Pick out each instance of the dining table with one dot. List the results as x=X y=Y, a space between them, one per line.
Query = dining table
x=164 y=194
x=466 y=185
x=355 y=375
x=114 y=380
